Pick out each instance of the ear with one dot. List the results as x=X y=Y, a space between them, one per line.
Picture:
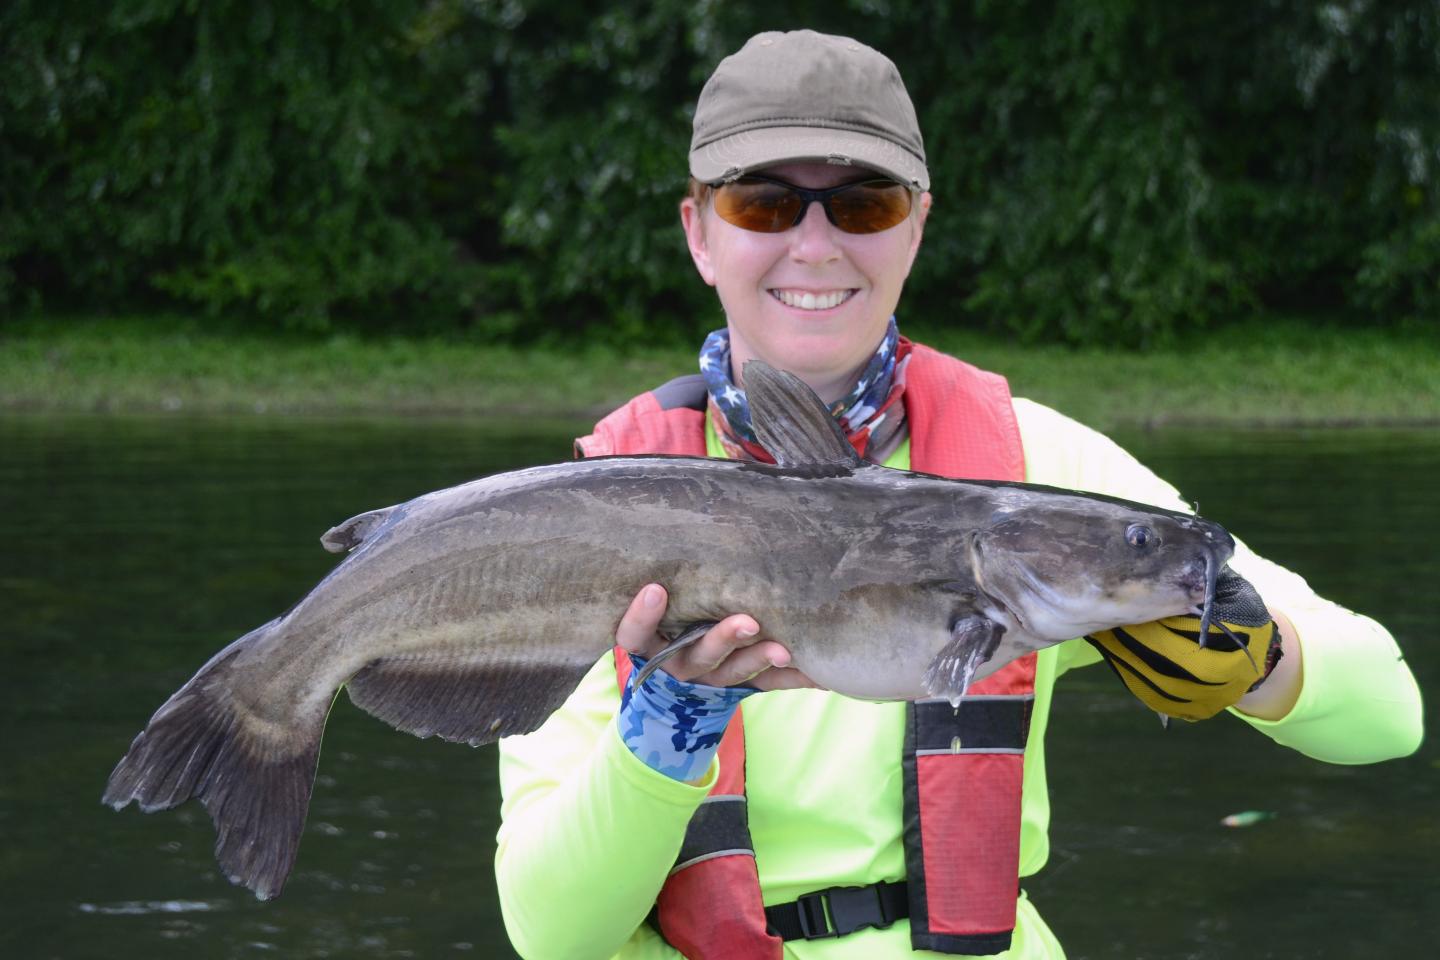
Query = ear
x=692 y=219
x=918 y=226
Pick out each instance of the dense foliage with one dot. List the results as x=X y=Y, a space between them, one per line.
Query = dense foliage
x=1104 y=170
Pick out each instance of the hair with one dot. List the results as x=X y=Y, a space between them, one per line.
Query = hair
x=699 y=192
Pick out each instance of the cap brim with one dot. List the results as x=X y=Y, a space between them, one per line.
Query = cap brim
x=747 y=151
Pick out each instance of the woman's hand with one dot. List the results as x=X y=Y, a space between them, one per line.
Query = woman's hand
x=1164 y=666
x=731 y=653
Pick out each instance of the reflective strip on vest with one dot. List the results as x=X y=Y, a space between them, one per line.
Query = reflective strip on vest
x=962 y=769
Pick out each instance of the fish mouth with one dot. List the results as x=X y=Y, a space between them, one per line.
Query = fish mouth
x=1201 y=573
x=1212 y=570
x=1198 y=578
x=1208 y=577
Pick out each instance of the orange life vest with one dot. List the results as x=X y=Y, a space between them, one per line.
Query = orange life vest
x=962 y=768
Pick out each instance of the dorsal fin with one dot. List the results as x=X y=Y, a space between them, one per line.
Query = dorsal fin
x=791 y=422
x=351 y=533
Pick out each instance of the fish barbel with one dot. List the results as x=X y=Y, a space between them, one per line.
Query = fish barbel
x=471 y=613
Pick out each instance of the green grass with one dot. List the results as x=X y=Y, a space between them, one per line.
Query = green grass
x=1278 y=373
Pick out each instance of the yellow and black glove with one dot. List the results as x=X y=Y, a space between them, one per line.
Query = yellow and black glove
x=1163 y=663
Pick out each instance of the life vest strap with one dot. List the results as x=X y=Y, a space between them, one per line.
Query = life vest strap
x=966 y=764
x=719 y=828
x=838 y=911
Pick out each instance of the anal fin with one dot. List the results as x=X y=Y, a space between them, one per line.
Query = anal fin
x=973 y=640
x=464 y=700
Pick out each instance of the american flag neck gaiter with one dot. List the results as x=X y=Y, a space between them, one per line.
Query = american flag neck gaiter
x=871 y=412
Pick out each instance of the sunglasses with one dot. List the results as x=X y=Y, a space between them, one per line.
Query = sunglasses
x=765 y=205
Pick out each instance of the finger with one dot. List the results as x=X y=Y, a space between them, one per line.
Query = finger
x=735 y=632
x=638 y=631
x=745 y=663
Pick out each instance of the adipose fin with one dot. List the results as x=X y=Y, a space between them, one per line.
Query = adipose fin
x=350 y=534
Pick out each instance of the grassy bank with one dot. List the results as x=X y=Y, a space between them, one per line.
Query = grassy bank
x=1287 y=374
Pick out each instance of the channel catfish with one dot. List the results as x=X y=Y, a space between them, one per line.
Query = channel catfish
x=471 y=613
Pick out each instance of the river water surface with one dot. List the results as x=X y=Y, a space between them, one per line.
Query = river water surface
x=131 y=549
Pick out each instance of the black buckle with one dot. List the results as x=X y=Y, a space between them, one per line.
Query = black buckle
x=842 y=910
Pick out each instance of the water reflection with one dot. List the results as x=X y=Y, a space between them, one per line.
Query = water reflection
x=134 y=548
x=134 y=907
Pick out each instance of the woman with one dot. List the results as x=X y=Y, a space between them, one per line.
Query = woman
x=807 y=207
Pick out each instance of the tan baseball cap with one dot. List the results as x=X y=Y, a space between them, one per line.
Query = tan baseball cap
x=806 y=96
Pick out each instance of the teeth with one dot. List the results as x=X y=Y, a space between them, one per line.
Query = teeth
x=812 y=301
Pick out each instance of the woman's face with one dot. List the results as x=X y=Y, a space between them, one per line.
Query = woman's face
x=762 y=277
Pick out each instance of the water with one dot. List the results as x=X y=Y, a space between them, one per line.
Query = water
x=1141 y=866
x=131 y=549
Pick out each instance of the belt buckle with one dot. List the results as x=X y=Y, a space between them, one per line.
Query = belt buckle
x=839 y=911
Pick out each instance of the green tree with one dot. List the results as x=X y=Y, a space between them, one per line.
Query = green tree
x=1105 y=171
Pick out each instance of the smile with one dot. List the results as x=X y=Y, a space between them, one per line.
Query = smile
x=807 y=300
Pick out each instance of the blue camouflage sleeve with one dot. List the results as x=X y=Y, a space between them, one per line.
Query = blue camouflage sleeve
x=672 y=726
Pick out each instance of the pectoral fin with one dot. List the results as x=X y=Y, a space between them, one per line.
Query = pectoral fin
x=687 y=637
x=973 y=640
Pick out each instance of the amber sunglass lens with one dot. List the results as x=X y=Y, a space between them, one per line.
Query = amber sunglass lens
x=870 y=207
x=762 y=207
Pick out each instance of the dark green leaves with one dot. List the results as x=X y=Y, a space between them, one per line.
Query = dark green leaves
x=1105 y=171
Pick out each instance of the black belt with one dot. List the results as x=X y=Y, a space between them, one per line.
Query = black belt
x=838 y=911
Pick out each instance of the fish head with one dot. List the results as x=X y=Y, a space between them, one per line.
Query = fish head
x=1067 y=566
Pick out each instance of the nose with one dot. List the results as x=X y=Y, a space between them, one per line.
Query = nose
x=1216 y=536
x=813 y=240
x=1220 y=540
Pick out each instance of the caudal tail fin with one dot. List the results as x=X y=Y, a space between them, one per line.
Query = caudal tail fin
x=254 y=776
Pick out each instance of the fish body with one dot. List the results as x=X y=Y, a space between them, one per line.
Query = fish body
x=471 y=613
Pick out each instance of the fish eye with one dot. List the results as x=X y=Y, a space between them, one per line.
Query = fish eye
x=1138 y=535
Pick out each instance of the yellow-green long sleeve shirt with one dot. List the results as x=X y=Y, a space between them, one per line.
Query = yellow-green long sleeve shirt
x=589 y=832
